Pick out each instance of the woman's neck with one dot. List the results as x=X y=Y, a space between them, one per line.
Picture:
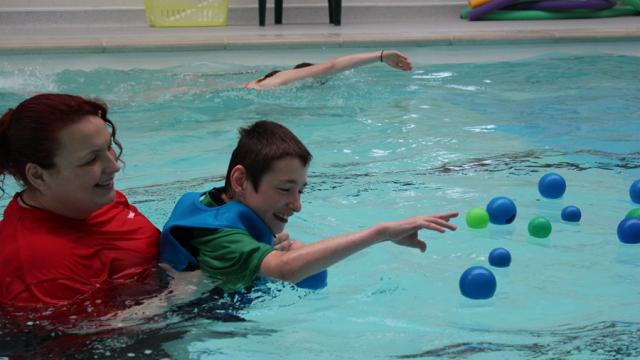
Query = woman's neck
x=27 y=200
x=32 y=199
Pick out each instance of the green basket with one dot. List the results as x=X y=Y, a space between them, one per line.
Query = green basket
x=183 y=13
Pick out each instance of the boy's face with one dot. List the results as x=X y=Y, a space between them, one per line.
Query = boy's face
x=278 y=196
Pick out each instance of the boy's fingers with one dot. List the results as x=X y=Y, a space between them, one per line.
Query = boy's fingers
x=430 y=225
x=421 y=245
x=437 y=224
x=446 y=216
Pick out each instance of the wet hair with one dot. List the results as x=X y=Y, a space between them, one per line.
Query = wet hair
x=302 y=65
x=29 y=133
x=260 y=145
x=270 y=74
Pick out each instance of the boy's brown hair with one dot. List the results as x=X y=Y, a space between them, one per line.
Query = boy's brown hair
x=260 y=145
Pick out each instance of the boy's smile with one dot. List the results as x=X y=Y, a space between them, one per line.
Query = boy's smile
x=278 y=196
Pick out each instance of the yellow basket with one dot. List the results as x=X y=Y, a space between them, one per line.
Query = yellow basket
x=175 y=13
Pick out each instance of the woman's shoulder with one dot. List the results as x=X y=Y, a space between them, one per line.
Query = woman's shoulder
x=11 y=206
x=119 y=205
x=15 y=213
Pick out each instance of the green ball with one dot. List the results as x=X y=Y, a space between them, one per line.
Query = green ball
x=633 y=213
x=477 y=218
x=539 y=227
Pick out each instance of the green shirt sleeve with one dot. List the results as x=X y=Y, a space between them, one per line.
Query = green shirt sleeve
x=230 y=257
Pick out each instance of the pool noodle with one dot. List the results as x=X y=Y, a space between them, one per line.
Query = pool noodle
x=476 y=3
x=555 y=5
x=552 y=15
x=479 y=12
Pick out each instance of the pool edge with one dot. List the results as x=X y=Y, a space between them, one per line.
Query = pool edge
x=124 y=44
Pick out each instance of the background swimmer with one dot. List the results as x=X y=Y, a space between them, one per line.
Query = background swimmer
x=393 y=58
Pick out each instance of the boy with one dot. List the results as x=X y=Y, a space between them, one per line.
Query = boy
x=228 y=232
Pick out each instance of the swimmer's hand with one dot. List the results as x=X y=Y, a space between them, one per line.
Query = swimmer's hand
x=405 y=232
x=282 y=242
x=396 y=60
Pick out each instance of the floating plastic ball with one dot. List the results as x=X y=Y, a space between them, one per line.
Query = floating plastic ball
x=571 y=213
x=629 y=230
x=552 y=186
x=500 y=257
x=633 y=213
x=539 y=227
x=634 y=191
x=477 y=218
x=502 y=210
x=477 y=283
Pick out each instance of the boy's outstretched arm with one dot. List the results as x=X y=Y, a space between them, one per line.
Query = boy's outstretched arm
x=393 y=58
x=282 y=242
x=301 y=262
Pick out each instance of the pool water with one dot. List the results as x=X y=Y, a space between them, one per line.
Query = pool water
x=450 y=135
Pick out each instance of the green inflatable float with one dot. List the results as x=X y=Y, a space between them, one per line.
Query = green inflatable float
x=631 y=7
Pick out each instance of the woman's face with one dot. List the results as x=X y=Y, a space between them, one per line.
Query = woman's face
x=85 y=166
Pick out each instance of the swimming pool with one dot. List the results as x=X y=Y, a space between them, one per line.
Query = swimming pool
x=448 y=136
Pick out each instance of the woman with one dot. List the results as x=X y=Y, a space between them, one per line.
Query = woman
x=68 y=232
x=393 y=58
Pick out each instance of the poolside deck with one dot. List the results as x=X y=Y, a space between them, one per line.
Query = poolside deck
x=118 y=29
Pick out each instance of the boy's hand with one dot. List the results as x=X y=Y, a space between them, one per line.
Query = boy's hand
x=405 y=232
x=283 y=243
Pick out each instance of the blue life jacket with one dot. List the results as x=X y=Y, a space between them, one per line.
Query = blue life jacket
x=189 y=212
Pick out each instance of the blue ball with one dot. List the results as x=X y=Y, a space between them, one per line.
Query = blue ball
x=571 y=213
x=634 y=191
x=500 y=257
x=502 y=210
x=477 y=282
x=629 y=230
x=552 y=186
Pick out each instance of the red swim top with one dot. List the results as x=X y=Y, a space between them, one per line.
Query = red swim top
x=47 y=258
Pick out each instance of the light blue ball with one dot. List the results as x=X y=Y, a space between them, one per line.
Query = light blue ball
x=629 y=230
x=477 y=283
x=500 y=257
x=502 y=210
x=571 y=213
x=552 y=186
x=634 y=191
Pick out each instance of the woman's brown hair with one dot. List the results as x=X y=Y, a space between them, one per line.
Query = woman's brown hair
x=29 y=133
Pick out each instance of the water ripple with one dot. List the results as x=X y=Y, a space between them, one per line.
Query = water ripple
x=607 y=339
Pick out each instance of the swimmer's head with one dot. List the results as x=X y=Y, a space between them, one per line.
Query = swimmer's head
x=270 y=74
x=302 y=65
x=267 y=76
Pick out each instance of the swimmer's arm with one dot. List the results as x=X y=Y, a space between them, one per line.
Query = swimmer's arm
x=392 y=58
x=301 y=262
